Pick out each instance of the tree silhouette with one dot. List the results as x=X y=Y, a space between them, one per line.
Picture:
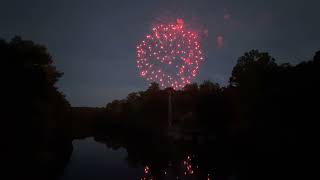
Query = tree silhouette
x=251 y=69
x=37 y=112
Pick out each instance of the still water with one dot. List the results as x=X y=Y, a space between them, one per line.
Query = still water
x=95 y=160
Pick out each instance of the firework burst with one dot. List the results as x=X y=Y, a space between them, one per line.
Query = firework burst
x=170 y=55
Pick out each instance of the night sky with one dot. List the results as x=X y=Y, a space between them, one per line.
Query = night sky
x=93 y=42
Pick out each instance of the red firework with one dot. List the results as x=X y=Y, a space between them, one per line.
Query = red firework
x=170 y=55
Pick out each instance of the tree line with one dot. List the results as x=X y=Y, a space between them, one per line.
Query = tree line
x=263 y=98
x=35 y=124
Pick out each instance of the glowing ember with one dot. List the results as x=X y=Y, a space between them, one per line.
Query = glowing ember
x=170 y=55
x=188 y=166
x=147 y=174
x=146 y=170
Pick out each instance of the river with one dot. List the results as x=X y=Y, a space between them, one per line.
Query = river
x=94 y=160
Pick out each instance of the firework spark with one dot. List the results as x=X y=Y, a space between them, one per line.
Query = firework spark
x=170 y=55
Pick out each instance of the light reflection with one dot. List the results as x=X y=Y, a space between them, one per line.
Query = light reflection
x=147 y=174
x=187 y=168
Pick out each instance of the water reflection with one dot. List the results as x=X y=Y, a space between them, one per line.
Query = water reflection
x=134 y=154
x=147 y=174
x=188 y=169
x=188 y=166
x=93 y=160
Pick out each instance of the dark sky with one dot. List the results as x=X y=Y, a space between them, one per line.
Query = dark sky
x=93 y=42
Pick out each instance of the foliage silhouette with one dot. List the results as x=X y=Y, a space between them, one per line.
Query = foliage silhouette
x=37 y=143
